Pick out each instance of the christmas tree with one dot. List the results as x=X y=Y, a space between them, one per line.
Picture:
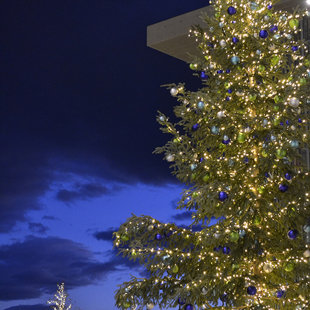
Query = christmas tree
x=238 y=146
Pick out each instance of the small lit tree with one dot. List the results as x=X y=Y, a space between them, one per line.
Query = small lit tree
x=59 y=303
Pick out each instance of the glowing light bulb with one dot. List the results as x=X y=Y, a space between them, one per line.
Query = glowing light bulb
x=308 y=2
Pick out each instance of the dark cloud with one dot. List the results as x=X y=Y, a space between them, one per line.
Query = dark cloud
x=83 y=192
x=37 y=228
x=186 y=215
x=29 y=269
x=105 y=235
x=30 y=307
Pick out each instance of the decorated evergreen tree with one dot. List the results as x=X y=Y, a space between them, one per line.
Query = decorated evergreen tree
x=238 y=146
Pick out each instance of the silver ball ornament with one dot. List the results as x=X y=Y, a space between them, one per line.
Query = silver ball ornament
x=266 y=18
x=293 y=127
x=220 y=114
x=222 y=43
x=217 y=235
x=204 y=291
x=221 y=25
x=294 y=102
x=307 y=253
x=170 y=158
x=150 y=306
x=150 y=227
x=174 y=91
x=268 y=268
x=162 y=118
x=306 y=228
x=258 y=52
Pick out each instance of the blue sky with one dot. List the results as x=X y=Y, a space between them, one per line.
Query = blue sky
x=79 y=94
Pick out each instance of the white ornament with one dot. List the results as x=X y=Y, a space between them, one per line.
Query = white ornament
x=272 y=47
x=173 y=91
x=162 y=118
x=204 y=291
x=222 y=43
x=150 y=227
x=307 y=254
x=239 y=93
x=266 y=18
x=293 y=127
x=294 y=102
x=170 y=158
x=211 y=66
x=216 y=235
x=220 y=114
x=247 y=129
x=150 y=306
x=268 y=268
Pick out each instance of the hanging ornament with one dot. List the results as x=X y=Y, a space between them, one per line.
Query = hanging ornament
x=263 y=34
x=162 y=118
x=193 y=166
x=217 y=235
x=235 y=40
x=283 y=188
x=174 y=91
x=231 y=10
x=258 y=52
x=215 y=130
x=280 y=153
x=221 y=114
x=181 y=301
x=280 y=293
x=254 y=6
x=200 y=105
x=223 y=196
x=126 y=304
x=294 y=102
x=294 y=48
x=294 y=144
x=277 y=36
x=288 y=267
x=239 y=93
x=272 y=47
x=242 y=233
x=150 y=306
x=204 y=76
x=226 y=250
x=175 y=268
x=195 y=127
x=266 y=18
x=293 y=234
x=158 y=237
x=193 y=66
x=294 y=23
x=124 y=237
x=150 y=227
x=189 y=307
x=241 y=137
x=288 y=176
x=273 y=28
x=306 y=229
x=268 y=268
x=204 y=291
x=307 y=253
x=226 y=140
x=274 y=60
x=170 y=157
x=235 y=60
x=234 y=236
x=251 y=290
x=269 y=6
x=221 y=25
x=222 y=43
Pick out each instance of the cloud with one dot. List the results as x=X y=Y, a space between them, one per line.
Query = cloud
x=31 y=268
x=37 y=228
x=48 y=217
x=105 y=235
x=30 y=307
x=186 y=215
x=84 y=192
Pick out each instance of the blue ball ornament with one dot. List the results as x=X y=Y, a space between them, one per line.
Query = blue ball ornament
x=288 y=176
x=263 y=34
x=246 y=160
x=215 y=130
x=195 y=127
x=226 y=140
x=189 y=307
x=235 y=60
x=229 y=91
x=227 y=98
x=227 y=70
x=223 y=196
x=292 y=234
x=274 y=28
x=235 y=40
x=158 y=237
x=181 y=301
x=251 y=290
x=283 y=188
x=294 y=48
x=203 y=75
x=231 y=10
x=219 y=71
x=299 y=120
x=217 y=248
x=226 y=250
x=200 y=105
x=280 y=293
x=269 y=7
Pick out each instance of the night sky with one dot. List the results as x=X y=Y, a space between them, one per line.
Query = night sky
x=79 y=95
